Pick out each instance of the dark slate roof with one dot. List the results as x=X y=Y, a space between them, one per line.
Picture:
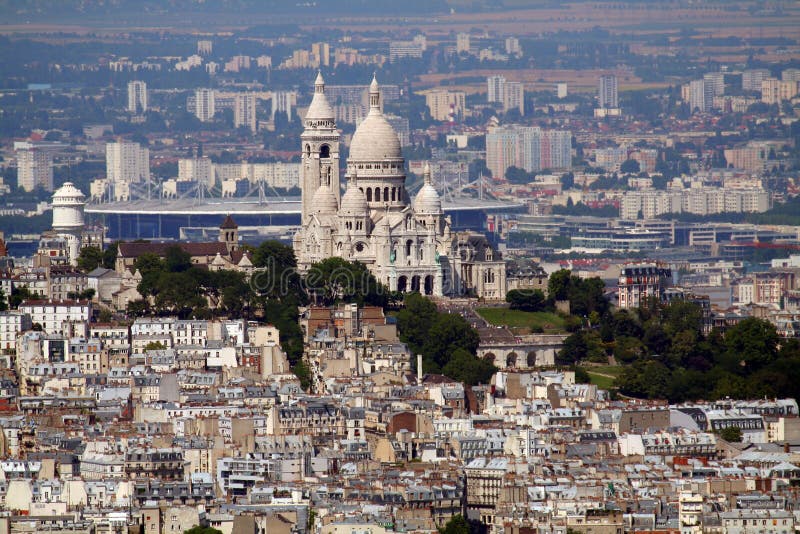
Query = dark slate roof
x=134 y=250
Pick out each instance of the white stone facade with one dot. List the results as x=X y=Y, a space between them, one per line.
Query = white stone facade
x=407 y=247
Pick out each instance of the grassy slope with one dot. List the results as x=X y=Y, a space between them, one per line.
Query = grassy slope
x=517 y=319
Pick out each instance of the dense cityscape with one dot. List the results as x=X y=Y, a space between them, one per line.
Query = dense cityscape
x=349 y=267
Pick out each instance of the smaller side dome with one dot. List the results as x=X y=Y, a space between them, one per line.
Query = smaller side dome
x=427 y=200
x=354 y=202
x=324 y=201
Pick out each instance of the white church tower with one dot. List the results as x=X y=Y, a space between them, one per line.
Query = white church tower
x=320 y=146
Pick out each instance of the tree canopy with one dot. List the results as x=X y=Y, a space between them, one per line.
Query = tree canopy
x=447 y=343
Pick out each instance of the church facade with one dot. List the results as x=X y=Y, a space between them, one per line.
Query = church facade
x=408 y=246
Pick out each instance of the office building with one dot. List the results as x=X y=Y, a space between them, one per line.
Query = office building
x=127 y=162
x=244 y=111
x=561 y=90
x=607 y=92
x=137 y=97
x=204 y=104
x=34 y=168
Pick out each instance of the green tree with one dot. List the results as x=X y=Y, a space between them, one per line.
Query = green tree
x=3 y=301
x=90 y=258
x=18 y=296
x=456 y=525
x=277 y=274
x=449 y=332
x=197 y=529
x=731 y=434
x=154 y=345
x=177 y=260
x=414 y=321
x=558 y=285
x=467 y=368
x=516 y=175
x=526 y=300
x=335 y=279
x=751 y=345
x=629 y=166
x=110 y=255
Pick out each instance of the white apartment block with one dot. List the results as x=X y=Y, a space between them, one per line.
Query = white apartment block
x=701 y=96
x=283 y=102
x=751 y=79
x=12 y=323
x=279 y=174
x=204 y=104
x=205 y=47
x=494 y=88
x=57 y=316
x=404 y=49
x=462 y=43
x=196 y=169
x=244 y=111
x=529 y=148
x=774 y=91
x=650 y=203
x=127 y=162
x=608 y=92
x=514 y=97
x=137 y=97
x=610 y=159
x=34 y=168
x=446 y=105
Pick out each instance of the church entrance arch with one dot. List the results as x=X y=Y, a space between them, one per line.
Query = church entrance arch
x=402 y=284
x=429 y=285
x=532 y=359
x=511 y=360
x=415 y=283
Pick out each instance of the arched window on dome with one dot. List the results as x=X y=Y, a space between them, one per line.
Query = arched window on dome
x=377 y=194
x=394 y=194
x=325 y=151
x=369 y=194
x=385 y=194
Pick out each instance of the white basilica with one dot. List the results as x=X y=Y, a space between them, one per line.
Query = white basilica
x=408 y=247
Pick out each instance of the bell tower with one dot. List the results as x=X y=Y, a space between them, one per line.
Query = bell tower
x=320 y=149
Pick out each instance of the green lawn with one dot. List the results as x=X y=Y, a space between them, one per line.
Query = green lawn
x=602 y=382
x=518 y=319
x=613 y=370
x=603 y=375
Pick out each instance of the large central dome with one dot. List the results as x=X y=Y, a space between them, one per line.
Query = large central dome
x=375 y=139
